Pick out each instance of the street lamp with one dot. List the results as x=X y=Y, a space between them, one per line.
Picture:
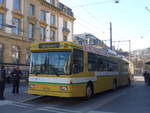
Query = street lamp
x=116 y=1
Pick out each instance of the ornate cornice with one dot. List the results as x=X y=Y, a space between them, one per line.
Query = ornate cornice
x=32 y=19
x=53 y=27
x=3 y=9
x=43 y=23
x=17 y=14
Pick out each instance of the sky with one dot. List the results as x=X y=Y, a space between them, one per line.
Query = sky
x=130 y=21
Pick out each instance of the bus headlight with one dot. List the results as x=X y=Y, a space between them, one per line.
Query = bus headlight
x=31 y=85
x=63 y=88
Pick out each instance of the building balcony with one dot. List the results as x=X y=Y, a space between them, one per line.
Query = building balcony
x=32 y=19
x=17 y=13
x=53 y=26
x=66 y=31
x=3 y=8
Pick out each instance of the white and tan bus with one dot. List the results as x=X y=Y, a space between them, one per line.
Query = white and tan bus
x=65 y=69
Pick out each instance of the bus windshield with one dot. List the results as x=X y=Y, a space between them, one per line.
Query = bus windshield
x=53 y=63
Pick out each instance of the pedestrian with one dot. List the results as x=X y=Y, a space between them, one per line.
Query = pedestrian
x=145 y=76
x=148 y=78
x=16 y=75
x=2 y=82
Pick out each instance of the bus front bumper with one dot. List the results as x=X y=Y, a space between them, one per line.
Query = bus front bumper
x=74 y=90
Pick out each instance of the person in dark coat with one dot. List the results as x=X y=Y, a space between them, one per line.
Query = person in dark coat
x=145 y=76
x=2 y=82
x=148 y=78
x=16 y=75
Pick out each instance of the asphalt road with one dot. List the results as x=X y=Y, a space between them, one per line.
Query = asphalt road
x=134 y=99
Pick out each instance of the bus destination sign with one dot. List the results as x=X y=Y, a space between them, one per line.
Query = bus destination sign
x=49 y=45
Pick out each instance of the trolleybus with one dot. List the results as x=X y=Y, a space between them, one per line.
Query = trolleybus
x=65 y=69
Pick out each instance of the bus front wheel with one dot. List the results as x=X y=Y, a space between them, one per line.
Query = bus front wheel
x=89 y=91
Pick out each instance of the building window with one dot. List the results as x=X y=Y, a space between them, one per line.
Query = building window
x=53 y=2
x=31 y=30
x=1 y=1
x=43 y=33
x=17 y=4
x=16 y=23
x=43 y=15
x=52 y=19
x=1 y=51
x=65 y=24
x=15 y=54
x=28 y=56
x=65 y=38
x=31 y=9
x=1 y=21
x=52 y=35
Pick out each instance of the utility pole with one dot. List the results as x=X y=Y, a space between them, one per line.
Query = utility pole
x=110 y=36
x=130 y=50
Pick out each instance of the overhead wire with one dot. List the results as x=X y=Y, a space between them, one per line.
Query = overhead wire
x=91 y=4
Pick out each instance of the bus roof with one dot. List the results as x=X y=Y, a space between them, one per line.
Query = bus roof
x=55 y=45
x=47 y=45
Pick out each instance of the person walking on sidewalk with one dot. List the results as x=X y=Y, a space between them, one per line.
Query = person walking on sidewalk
x=145 y=76
x=2 y=82
x=16 y=75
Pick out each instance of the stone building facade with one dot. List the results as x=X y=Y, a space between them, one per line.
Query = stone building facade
x=23 y=22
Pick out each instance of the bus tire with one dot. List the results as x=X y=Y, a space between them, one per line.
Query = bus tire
x=114 y=87
x=89 y=90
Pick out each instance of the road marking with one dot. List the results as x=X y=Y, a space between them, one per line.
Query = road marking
x=5 y=102
x=22 y=104
x=99 y=112
x=17 y=105
x=31 y=98
x=110 y=97
x=58 y=110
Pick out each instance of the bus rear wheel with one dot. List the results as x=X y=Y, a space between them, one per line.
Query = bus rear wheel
x=89 y=91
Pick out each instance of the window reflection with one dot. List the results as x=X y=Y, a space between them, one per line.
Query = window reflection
x=1 y=53
x=15 y=54
x=50 y=63
x=17 y=4
x=16 y=23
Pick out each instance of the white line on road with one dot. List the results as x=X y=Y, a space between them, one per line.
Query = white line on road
x=58 y=110
x=31 y=98
x=105 y=101
x=5 y=102
x=99 y=112
x=17 y=105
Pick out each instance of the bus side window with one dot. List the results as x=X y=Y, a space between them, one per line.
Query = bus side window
x=92 y=62
x=99 y=63
x=78 y=61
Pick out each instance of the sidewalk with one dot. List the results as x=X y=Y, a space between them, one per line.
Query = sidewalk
x=22 y=97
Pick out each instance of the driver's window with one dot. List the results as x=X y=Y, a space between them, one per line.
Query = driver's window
x=78 y=61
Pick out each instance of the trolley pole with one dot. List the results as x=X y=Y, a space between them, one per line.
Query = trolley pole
x=130 y=50
x=110 y=35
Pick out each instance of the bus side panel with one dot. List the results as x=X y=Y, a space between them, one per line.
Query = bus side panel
x=103 y=83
